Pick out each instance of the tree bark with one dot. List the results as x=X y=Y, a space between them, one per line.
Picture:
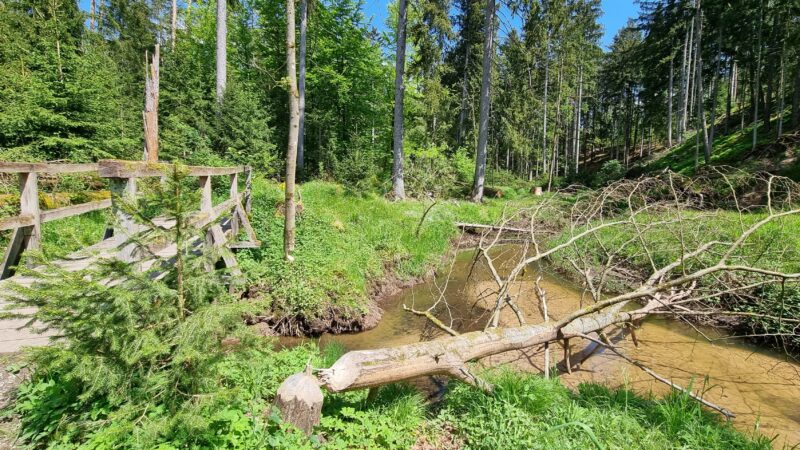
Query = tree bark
x=92 y=15
x=173 y=23
x=483 y=127
x=302 y=87
x=669 y=101
x=294 y=124
x=150 y=113
x=757 y=78
x=701 y=116
x=222 y=49
x=796 y=98
x=399 y=94
x=299 y=399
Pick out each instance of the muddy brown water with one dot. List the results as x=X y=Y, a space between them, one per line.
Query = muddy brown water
x=761 y=387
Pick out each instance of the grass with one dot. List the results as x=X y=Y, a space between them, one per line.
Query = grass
x=527 y=411
x=729 y=149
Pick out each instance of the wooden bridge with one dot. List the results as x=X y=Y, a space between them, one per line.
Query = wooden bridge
x=224 y=221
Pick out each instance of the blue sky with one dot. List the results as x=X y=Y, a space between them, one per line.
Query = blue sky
x=615 y=14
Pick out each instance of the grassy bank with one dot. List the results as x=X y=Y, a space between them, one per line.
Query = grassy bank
x=346 y=241
x=733 y=149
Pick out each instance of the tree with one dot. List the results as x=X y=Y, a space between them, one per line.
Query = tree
x=399 y=95
x=294 y=125
x=301 y=88
x=222 y=49
x=485 y=102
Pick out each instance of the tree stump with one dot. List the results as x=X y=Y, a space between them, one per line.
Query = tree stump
x=537 y=191
x=299 y=400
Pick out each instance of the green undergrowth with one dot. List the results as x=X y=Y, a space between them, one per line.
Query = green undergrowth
x=346 y=240
x=524 y=411
x=527 y=411
x=730 y=149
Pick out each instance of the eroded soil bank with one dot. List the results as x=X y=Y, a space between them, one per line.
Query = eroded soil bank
x=761 y=387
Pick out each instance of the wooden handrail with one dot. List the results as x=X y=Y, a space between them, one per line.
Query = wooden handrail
x=122 y=176
x=114 y=168
x=23 y=167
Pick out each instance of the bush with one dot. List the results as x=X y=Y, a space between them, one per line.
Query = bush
x=610 y=171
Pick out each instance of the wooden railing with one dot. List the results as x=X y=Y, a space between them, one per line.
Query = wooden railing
x=122 y=176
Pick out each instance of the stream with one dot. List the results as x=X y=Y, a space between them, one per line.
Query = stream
x=761 y=387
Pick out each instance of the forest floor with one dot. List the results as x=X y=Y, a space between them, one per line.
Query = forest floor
x=12 y=374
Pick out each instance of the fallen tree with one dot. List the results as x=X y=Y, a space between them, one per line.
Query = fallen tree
x=696 y=272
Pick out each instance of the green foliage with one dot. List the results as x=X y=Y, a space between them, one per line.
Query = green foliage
x=610 y=172
x=527 y=411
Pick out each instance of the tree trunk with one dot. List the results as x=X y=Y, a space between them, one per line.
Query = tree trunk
x=781 y=91
x=578 y=121
x=544 y=113
x=483 y=129
x=757 y=78
x=731 y=93
x=715 y=94
x=302 y=87
x=150 y=113
x=173 y=23
x=445 y=356
x=463 y=111
x=701 y=116
x=294 y=125
x=399 y=91
x=92 y=15
x=796 y=98
x=669 y=102
x=222 y=49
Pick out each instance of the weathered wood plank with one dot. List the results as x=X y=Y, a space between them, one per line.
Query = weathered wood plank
x=23 y=167
x=112 y=168
x=74 y=210
x=11 y=223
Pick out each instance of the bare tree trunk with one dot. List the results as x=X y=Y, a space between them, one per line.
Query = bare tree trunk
x=781 y=91
x=302 y=88
x=669 y=101
x=796 y=98
x=483 y=129
x=578 y=121
x=92 y=15
x=463 y=111
x=731 y=93
x=399 y=93
x=150 y=113
x=222 y=49
x=173 y=23
x=544 y=113
x=682 y=94
x=294 y=125
x=715 y=94
x=690 y=88
x=757 y=78
x=701 y=116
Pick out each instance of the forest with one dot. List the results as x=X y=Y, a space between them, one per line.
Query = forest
x=475 y=225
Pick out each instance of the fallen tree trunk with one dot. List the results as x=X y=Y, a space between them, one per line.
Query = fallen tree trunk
x=445 y=356
x=480 y=226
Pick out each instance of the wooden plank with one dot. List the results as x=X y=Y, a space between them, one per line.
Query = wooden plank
x=74 y=210
x=23 y=167
x=124 y=189
x=13 y=252
x=112 y=168
x=11 y=223
x=480 y=226
x=29 y=205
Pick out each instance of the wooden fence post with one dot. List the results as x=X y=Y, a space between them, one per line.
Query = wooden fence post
x=234 y=195
x=216 y=236
x=248 y=185
x=123 y=189
x=26 y=237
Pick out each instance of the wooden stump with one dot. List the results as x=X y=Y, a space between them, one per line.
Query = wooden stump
x=299 y=400
x=537 y=191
